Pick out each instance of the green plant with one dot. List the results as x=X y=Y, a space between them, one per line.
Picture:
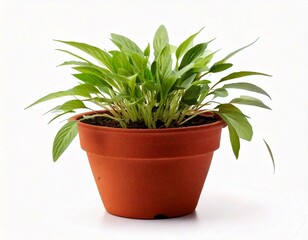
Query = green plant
x=132 y=88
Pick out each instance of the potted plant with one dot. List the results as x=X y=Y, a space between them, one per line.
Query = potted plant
x=151 y=142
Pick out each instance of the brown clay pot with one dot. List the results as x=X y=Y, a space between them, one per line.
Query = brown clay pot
x=146 y=173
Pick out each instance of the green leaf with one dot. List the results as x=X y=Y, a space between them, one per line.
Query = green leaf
x=191 y=95
x=185 y=45
x=77 y=63
x=167 y=85
x=71 y=105
x=161 y=40
x=242 y=74
x=51 y=96
x=164 y=64
x=121 y=41
x=84 y=90
x=95 y=81
x=239 y=75
x=184 y=84
x=150 y=85
x=59 y=115
x=98 y=72
x=147 y=51
x=201 y=82
x=184 y=70
x=220 y=67
x=220 y=92
x=93 y=51
x=63 y=139
x=68 y=107
x=154 y=68
x=118 y=78
x=192 y=54
x=247 y=87
x=132 y=83
x=75 y=55
x=203 y=61
x=271 y=154
x=139 y=62
x=235 y=52
x=247 y=100
x=235 y=141
x=234 y=117
x=121 y=60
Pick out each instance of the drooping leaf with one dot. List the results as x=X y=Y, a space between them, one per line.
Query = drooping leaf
x=185 y=45
x=247 y=100
x=234 y=117
x=271 y=154
x=63 y=139
x=220 y=67
x=235 y=141
x=247 y=86
x=121 y=41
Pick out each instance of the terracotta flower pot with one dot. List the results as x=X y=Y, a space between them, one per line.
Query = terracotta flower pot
x=146 y=173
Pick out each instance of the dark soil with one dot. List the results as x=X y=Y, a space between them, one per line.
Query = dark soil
x=107 y=122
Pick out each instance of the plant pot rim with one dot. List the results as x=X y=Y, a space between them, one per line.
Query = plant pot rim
x=218 y=123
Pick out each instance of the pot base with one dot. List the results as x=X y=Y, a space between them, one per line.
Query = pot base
x=150 y=188
x=156 y=217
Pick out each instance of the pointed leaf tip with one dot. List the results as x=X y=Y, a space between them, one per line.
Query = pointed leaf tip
x=271 y=155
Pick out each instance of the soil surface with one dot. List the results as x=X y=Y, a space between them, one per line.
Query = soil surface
x=107 y=122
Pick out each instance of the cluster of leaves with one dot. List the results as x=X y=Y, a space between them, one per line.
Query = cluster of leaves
x=132 y=88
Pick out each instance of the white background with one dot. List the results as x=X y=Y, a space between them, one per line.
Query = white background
x=241 y=199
